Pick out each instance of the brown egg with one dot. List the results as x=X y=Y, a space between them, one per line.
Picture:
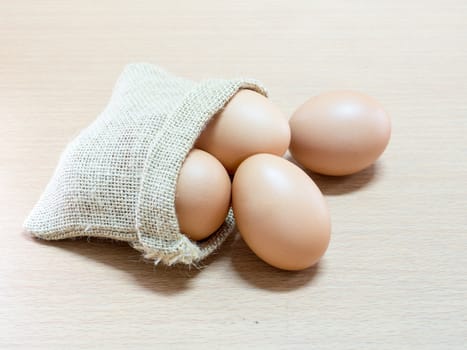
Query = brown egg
x=248 y=124
x=280 y=212
x=339 y=133
x=203 y=195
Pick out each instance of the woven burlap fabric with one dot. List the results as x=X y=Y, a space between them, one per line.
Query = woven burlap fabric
x=117 y=178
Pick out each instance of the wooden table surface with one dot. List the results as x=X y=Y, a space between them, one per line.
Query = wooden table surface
x=395 y=274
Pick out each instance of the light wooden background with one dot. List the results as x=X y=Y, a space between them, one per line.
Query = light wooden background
x=395 y=274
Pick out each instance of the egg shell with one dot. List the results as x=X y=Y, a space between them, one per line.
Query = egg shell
x=280 y=212
x=249 y=124
x=339 y=132
x=202 y=198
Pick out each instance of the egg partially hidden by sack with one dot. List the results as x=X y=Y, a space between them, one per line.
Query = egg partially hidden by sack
x=339 y=133
x=249 y=124
x=280 y=212
x=202 y=198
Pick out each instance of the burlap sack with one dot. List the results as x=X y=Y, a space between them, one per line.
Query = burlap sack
x=117 y=178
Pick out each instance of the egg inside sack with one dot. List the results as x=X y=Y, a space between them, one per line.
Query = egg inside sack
x=202 y=198
x=280 y=212
x=249 y=124
x=339 y=133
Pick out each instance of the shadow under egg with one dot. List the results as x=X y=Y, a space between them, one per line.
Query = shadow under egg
x=338 y=185
x=261 y=275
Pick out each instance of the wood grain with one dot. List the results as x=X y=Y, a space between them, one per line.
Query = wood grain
x=395 y=275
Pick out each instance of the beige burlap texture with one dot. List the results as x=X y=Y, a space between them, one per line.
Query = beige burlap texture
x=117 y=179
